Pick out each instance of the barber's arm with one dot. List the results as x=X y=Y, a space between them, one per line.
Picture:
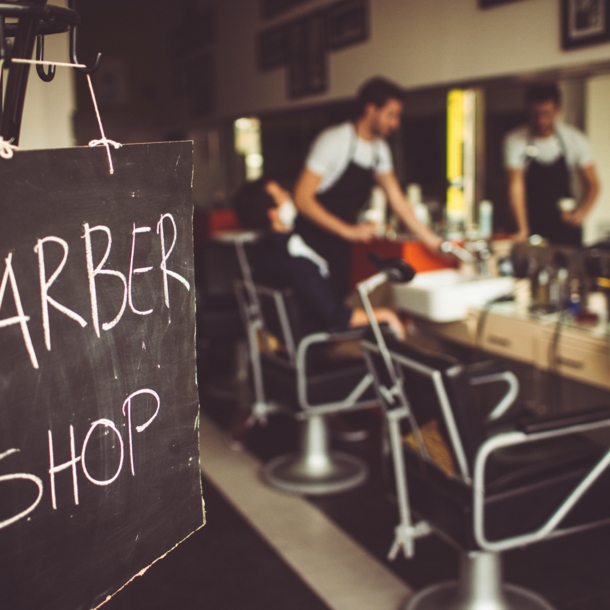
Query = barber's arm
x=516 y=198
x=383 y=316
x=308 y=205
x=403 y=208
x=590 y=182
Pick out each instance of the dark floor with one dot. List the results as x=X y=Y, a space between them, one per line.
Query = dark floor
x=573 y=572
x=228 y=566
x=225 y=565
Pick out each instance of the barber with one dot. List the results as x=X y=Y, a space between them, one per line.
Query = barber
x=540 y=159
x=343 y=165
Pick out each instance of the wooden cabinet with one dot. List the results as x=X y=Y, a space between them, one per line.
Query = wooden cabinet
x=580 y=354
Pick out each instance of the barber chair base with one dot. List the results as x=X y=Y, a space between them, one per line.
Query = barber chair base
x=480 y=588
x=315 y=470
x=296 y=474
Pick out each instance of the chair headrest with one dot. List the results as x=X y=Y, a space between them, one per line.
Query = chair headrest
x=397 y=269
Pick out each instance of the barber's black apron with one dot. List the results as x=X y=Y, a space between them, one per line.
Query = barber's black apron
x=545 y=185
x=345 y=198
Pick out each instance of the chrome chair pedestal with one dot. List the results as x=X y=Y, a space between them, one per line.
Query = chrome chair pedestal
x=315 y=470
x=479 y=588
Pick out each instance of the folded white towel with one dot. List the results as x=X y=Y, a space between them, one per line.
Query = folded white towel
x=297 y=247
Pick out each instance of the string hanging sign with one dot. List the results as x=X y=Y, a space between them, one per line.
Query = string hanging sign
x=6 y=149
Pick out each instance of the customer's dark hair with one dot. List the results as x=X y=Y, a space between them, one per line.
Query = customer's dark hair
x=378 y=91
x=251 y=204
x=547 y=92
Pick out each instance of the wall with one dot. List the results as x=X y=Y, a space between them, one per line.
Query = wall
x=597 y=225
x=417 y=43
x=48 y=109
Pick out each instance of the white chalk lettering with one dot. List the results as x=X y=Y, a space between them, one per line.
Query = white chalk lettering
x=98 y=270
x=133 y=271
x=53 y=469
x=127 y=409
x=23 y=477
x=20 y=318
x=94 y=425
x=165 y=255
x=45 y=284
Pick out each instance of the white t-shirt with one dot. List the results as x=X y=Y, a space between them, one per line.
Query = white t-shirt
x=330 y=153
x=519 y=147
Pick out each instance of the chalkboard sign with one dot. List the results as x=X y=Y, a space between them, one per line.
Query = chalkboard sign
x=99 y=460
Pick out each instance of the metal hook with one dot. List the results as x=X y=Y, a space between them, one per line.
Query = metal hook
x=47 y=77
x=74 y=59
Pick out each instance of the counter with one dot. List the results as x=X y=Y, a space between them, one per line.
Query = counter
x=544 y=341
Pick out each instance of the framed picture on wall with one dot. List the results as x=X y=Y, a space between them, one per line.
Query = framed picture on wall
x=273 y=8
x=347 y=23
x=307 y=59
x=488 y=3
x=272 y=49
x=584 y=23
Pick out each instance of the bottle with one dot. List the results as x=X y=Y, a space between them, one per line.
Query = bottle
x=532 y=275
x=420 y=209
x=575 y=303
x=544 y=279
x=485 y=219
x=559 y=294
x=377 y=210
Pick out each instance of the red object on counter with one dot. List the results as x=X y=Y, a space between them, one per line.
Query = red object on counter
x=222 y=220
x=414 y=252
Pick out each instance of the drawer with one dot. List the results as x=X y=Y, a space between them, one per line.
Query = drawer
x=588 y=363
x=460 y=332
x=509 y=337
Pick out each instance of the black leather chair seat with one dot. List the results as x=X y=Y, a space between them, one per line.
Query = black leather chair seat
x=519 y=499
x=333 y=382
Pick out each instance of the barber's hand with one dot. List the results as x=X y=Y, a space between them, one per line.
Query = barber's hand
x=576 y=218
x=363 y=232
x=383 y=314
x=433 y=243
x=519 y=236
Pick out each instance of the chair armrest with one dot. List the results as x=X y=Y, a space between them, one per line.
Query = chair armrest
x=487 y=367
x=351 y=401
x=353 y=334
x=599 y=418
x=494 y=372
x=536 y=425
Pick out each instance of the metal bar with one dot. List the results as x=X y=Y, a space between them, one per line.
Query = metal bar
x=549 y=528
x=246 y=272
x=364 y=289
x=454 y=435
x=280 y=306
x=17 y=81
x=445 y=405
x=397 y=391
x=508 y=399
x=400 y=475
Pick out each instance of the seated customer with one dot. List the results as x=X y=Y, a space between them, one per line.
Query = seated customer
x=289 y=262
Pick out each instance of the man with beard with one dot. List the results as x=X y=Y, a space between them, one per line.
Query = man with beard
x=343 y=165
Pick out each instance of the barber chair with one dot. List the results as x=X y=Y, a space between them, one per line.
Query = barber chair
x=295 y=370
x=485 y=492
x=219 y=318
